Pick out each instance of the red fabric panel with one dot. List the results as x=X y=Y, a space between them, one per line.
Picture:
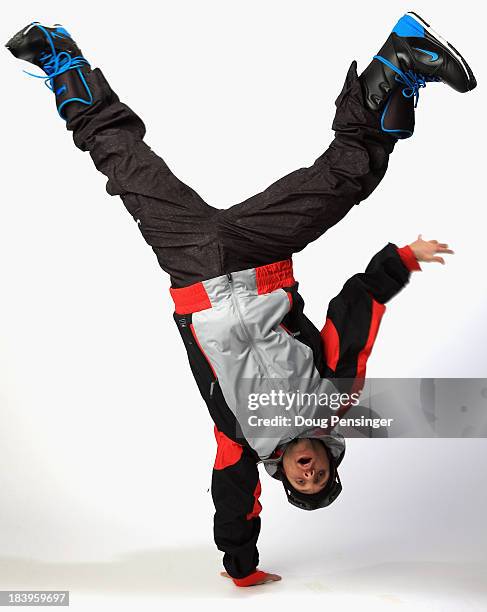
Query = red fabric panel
x=409 y=258
x=228 y=452
x=201 y=349
x=257 y=505
x=190 y=299
x=274 y=276
x=331 y=343
x=377 y=312
x=251 y=579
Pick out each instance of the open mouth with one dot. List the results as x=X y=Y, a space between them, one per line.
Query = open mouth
x=304 y=460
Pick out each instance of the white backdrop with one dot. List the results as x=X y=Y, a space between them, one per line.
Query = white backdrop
x=101 y=490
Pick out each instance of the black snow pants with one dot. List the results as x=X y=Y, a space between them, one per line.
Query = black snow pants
x=194 y=241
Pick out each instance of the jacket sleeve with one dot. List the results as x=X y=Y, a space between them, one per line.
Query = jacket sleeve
x=235 y=490
x=355 y=314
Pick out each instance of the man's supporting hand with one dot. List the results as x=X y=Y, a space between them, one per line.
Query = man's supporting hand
x=258 y=577
x=426 y=250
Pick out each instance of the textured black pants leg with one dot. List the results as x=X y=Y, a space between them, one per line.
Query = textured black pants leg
x=300 y=207
x=173 y=218
x=194 y=241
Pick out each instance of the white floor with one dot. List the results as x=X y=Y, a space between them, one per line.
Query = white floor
x=149 y=579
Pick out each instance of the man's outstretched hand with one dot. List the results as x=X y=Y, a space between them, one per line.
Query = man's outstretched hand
x=260 y=578
x=427 y=250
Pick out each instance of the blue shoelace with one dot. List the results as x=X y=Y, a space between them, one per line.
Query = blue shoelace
x=411 y=80
x=55 y=63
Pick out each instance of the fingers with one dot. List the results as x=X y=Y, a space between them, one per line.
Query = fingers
x=441 y=247
x=438 y=259
x=225 y=574
x=270 y=578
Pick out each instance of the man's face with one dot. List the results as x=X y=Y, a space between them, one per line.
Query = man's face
x=306 y=465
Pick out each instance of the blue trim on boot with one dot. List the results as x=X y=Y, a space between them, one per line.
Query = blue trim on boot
x=412 y=81
x=88 y=102
x=56 y=63
x=397 y=132
x=408 y=26
x=432 y=54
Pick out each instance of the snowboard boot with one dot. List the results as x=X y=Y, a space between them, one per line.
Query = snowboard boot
x=412 y=56
x=54 y=51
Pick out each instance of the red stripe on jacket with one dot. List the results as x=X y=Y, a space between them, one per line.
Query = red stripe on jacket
x=256 y=510
x=190 y=299
x=274 y=276
x=270 y=277
x=228 y=452
x=331 y=343
x=377 y=313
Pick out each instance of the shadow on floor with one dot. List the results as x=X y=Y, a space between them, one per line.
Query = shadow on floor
x=188 y=572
